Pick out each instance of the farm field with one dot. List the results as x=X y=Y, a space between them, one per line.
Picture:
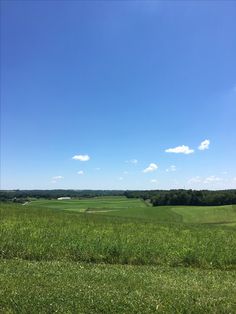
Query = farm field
x=136 y=208
x=116 y=255
x=96 y=203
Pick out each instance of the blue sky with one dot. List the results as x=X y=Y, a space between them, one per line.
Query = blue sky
x=123 y=86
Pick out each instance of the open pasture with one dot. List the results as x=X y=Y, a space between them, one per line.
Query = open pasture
x=68 y=261
x=40 y=233
x=139 y=209
x=96 y=203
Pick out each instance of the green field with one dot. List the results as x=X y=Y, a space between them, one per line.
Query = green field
x=116 y=255
x=136 y=208
x=86 y=204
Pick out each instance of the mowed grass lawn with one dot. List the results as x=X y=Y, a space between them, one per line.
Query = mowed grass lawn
x=116 y=255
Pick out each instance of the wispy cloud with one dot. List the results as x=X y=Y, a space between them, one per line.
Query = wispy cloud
x=98 y=169
x=212 y=182
x=80 y=172
x=212 y=179
x=152 y=167
x=204 y=145
x=206 y=180
x=120 y=178
x=171 y=168
x=81 y=157
x=180 y=150
x=196 y=179
x=132 y=161
x=153 y=181
x=57 y=178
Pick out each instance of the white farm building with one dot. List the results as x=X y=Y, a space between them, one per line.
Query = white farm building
x=64 y=198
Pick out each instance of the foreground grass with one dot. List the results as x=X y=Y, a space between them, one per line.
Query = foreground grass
x=67 y=287
x=44 y=234
x=56 y=261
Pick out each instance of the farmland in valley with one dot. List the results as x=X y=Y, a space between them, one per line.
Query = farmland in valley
x=137 y=208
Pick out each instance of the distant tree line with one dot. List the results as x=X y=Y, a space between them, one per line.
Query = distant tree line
x=24 y=195
x=185 y=197
x=156 y=197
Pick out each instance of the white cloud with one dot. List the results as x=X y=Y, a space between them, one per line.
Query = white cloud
x=153 y=181
x=57 y=178
x=212 y=179
x=204 y=145
x=207 y=180
x=81 y=157
x=120 y=178
x=152 y=167
x=212 y=182
x=180 y=150
x=171 y=168
x=132 y=161
x=196 y=179
x=80 y=172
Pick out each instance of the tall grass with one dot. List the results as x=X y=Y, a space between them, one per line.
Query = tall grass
x=54 y=261
x=68 y=287
x=38 y=234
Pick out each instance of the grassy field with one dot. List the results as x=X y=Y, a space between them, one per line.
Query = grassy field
x=90 y=204
x=136 y=208
x=67 y=287
x=116 y=255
